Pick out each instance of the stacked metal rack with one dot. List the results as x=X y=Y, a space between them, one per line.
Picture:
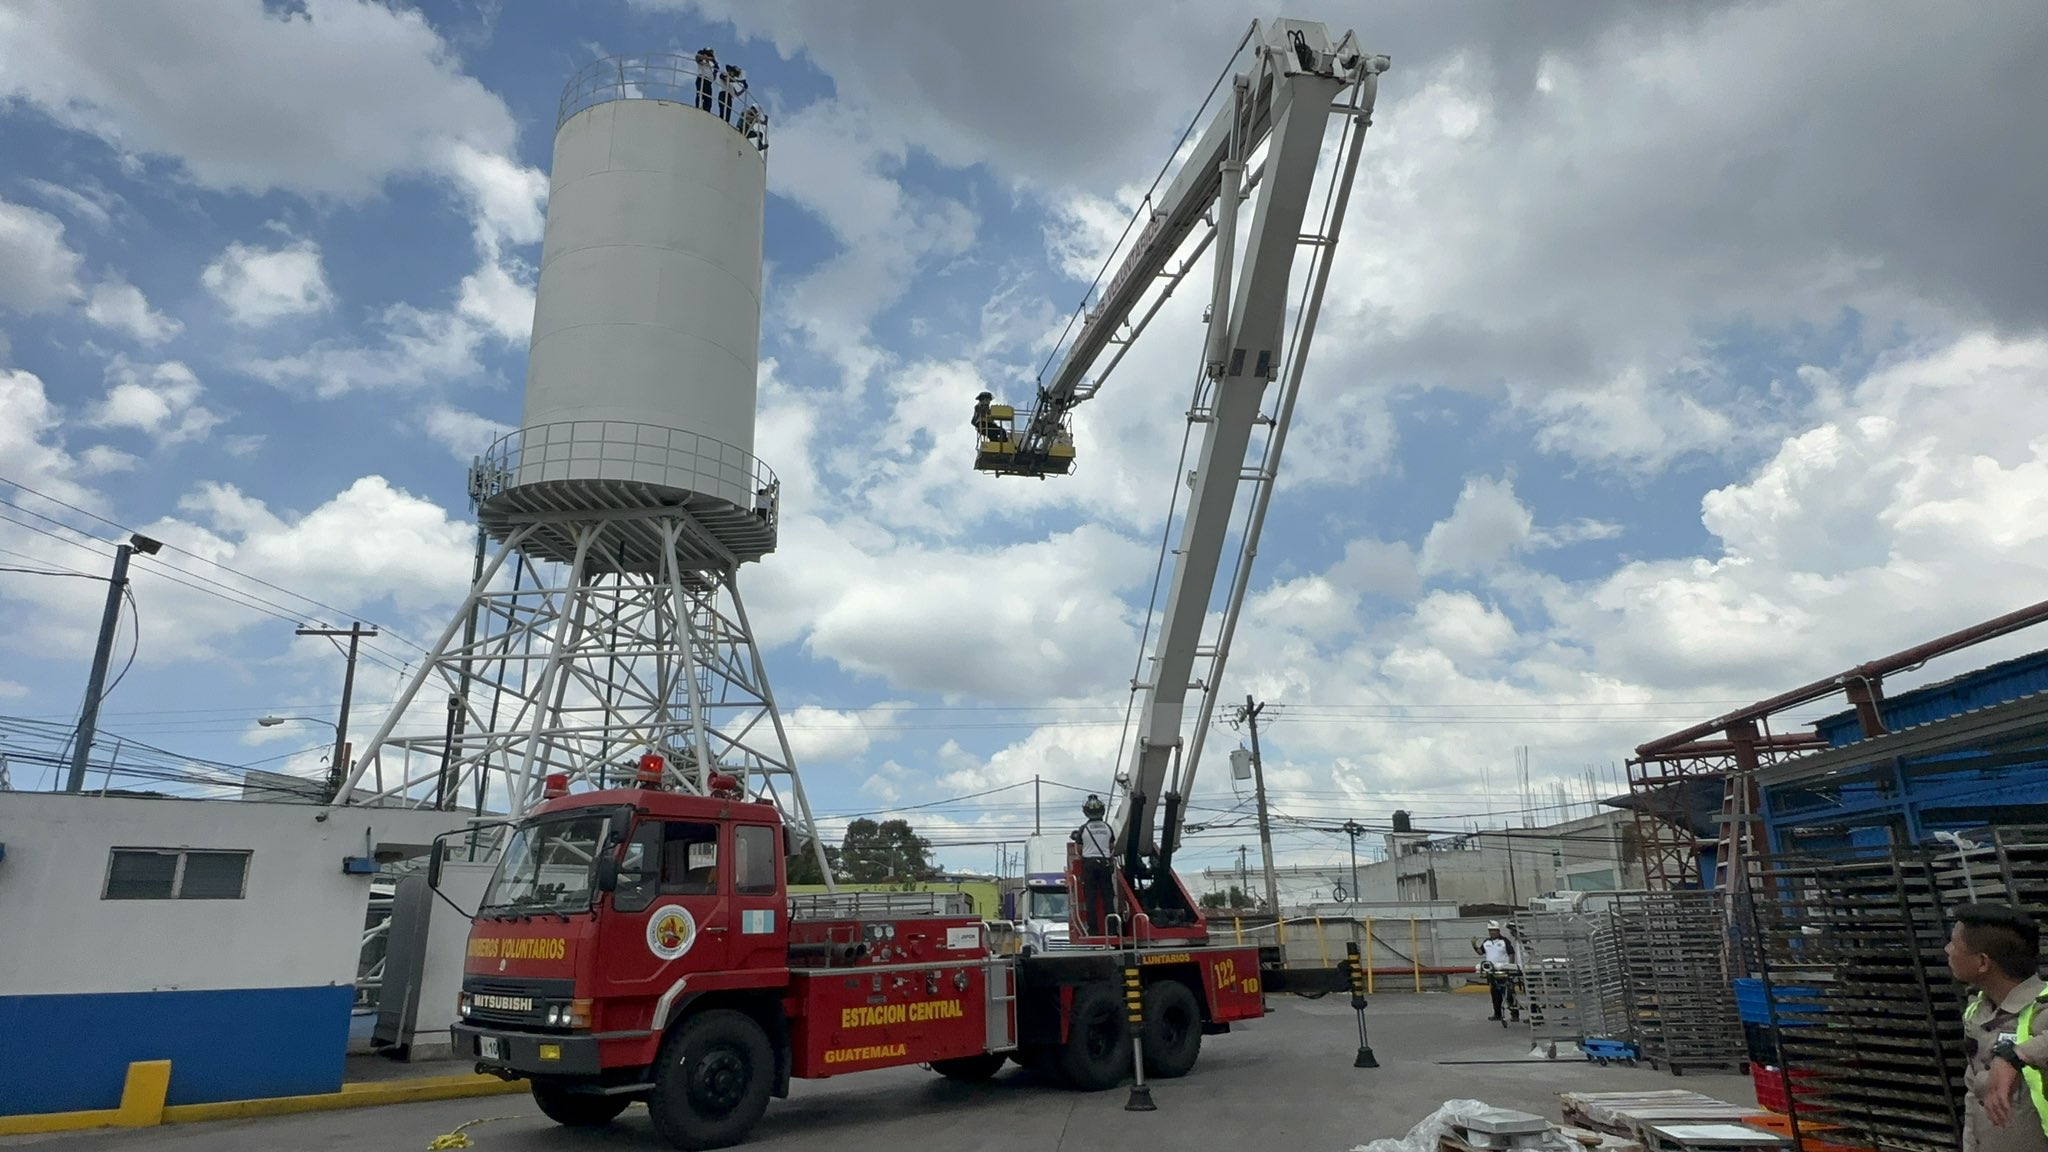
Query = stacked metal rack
x=1996 y=866
x=1555 y=950
x=1674 y=951
x=1604 y=1005
x=1863 y=1013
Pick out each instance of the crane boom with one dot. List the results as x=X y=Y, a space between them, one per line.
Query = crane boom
x=1289 y=54
x=1300 y=101
x=1299 y=81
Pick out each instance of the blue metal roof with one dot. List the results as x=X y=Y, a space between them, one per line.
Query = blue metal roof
x=1993 y=684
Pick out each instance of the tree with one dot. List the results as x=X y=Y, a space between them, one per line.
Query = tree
x=875 y=853
x=1234 y=898
x=803 y=867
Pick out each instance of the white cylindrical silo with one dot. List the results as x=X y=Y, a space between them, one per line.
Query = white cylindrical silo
x=647 y=316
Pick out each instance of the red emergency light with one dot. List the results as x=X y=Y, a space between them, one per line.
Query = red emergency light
x=553 y=785
x=650 y=769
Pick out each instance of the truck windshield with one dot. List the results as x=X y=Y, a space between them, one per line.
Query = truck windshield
x=1048 y=905
x=547 y=865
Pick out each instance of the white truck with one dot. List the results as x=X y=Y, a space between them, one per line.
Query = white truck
x=1037 y=901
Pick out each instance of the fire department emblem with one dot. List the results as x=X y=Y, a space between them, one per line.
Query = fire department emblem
x=670 y=931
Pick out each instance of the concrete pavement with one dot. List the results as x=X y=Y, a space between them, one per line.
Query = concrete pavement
x=1282 y=1082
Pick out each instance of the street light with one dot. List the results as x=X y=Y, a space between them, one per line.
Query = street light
x=274 y=721
x=95 y=682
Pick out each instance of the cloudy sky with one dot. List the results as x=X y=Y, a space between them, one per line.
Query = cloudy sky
x=1675 y=355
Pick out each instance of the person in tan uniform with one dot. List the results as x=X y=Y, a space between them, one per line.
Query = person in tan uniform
x=1996 y=950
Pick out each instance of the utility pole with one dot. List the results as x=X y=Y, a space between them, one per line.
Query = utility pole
x=96 y=681
x=1354 y=829
x=1036 y=809
x=337 y=765
x=1249 y=714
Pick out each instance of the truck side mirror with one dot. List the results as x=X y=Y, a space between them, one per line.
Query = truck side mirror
x=607 y=873
x=434 y=864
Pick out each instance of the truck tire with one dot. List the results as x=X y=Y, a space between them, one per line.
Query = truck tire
x=1097 y=1054
x=1173 y=1029
x=970 y=1068
x=711 y=1081
x=577 y=1109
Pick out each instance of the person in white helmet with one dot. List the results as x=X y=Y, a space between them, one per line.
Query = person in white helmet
x=1498 y=951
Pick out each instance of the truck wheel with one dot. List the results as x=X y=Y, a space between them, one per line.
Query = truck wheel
x=711 y=1081
x=1097 y=1054
x=972 y=1068
x=1173 y=1029
x=577 y=1109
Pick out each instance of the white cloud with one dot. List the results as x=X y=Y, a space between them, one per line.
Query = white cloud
x=831 y=735
x=86 y=200
x=1458 y=625
x=500 y=301
x=832 y=160
x=416 y=346
x=369 y=545
x=464 y=434
x=119 y=305
x=29 y=437
x=101 y=459
x=1561 y=205
x=38 y=270
x=1488 y=524
x=370 y=542
x=160 y=400
x=505 y=196
x=9 y=690
x=331 y=102
x=258 y=286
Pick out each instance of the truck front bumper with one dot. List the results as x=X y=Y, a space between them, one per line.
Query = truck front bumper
x=509 y=1050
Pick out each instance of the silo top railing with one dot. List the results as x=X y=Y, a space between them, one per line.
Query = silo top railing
x=667 y=76
x=620 y=450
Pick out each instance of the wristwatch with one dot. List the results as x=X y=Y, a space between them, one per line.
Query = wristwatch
x=2004 y=1050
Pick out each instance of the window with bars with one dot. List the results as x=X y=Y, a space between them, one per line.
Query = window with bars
x=176 y=874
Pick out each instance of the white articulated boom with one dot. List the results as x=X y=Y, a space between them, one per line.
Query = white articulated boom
x=1300 y=81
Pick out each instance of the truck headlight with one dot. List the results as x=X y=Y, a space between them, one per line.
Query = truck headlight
x=462 y=1005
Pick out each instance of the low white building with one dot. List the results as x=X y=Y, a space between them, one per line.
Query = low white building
x=221 y=935
x=1502 y=866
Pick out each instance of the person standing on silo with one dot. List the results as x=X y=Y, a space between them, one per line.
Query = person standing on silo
x=707 y=75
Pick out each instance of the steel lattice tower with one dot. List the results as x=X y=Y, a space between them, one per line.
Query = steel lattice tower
x=607 y=622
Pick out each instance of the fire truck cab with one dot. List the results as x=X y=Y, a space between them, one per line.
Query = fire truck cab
x=640 y=944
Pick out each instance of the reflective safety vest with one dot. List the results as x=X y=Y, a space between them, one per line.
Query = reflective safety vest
x=2023 y=1033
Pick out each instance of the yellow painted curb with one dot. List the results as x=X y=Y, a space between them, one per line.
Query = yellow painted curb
x=364 y=1095
x=143 y=1078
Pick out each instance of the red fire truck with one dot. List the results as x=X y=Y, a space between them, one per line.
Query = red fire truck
x=639 y=944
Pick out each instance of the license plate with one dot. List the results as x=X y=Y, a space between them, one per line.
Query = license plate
x=487 y=1048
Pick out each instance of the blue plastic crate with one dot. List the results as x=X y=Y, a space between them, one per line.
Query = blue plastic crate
x=1605 y=1050
x=1793 y=1002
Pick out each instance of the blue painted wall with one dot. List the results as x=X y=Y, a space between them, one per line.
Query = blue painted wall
x=69 y=1053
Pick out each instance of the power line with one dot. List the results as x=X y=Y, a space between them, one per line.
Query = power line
x=241 y=597
x=51 y=572
x=203 y=559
